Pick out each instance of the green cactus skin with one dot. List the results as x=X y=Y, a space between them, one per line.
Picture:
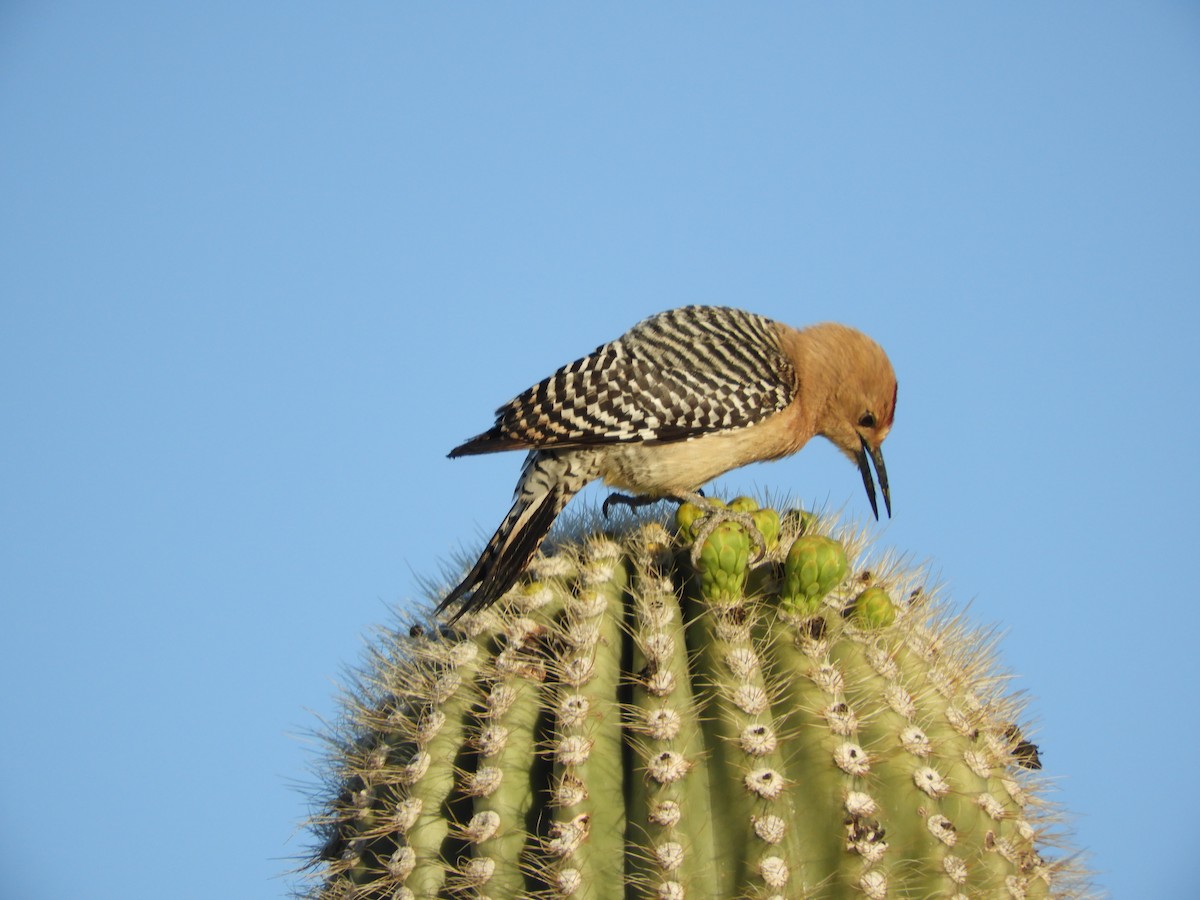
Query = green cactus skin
x=622 y=726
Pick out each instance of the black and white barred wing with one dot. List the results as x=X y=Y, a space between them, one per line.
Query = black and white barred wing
x=677 y=375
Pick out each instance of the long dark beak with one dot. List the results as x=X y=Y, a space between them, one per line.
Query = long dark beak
x=876 y=455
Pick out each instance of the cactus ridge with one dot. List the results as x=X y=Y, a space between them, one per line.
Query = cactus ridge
x=621 y=725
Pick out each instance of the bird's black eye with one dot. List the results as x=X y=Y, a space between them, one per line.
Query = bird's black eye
x=867 y=420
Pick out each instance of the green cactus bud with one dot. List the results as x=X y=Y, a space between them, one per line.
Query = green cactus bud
x=815 y=565
x=873 y=608
x=767 y=522
x=686 y=518
x=623 y=726
x=725 y=562
x=743 y=504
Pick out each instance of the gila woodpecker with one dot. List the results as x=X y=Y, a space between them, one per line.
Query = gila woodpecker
x=679 y=399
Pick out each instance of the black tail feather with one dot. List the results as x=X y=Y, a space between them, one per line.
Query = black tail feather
x=506 y=556
x=491 y=441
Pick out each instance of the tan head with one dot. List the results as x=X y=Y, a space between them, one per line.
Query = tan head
x=859 y=388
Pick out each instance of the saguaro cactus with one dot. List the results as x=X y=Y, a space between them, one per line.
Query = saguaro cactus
x=627 y=725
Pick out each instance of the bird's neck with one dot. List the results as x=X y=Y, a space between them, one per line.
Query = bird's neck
x=817 y=360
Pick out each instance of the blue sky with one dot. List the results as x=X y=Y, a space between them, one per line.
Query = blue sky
x=263 y=265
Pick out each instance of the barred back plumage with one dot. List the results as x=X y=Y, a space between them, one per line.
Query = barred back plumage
x=677 y=375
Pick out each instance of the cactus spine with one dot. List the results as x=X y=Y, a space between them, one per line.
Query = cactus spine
x=623 y=725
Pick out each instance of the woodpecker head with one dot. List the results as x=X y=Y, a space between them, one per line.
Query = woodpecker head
x=861 y=403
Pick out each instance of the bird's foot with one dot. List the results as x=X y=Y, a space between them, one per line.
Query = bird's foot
x=626 y=500
x=714 y=517
x=615 y=499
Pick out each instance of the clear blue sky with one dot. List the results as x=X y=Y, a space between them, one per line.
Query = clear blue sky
x=262 y=265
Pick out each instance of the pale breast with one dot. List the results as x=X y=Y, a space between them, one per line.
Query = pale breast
x=683 y=466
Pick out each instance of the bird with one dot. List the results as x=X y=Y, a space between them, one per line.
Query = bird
x=682 y=397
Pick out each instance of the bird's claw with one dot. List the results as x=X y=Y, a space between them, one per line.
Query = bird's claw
x=625 y=500
x=610 y=500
